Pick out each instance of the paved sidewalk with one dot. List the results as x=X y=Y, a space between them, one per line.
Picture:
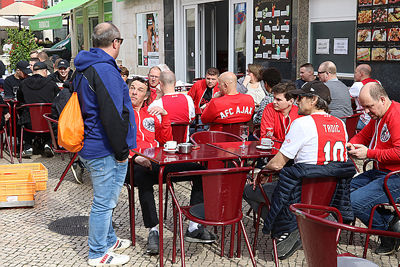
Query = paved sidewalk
x=27 y=241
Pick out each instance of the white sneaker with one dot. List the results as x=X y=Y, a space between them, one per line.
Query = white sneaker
x=109 y=259
x=120 y=244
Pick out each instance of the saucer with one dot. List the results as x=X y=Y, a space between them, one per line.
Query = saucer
x=169 y=150
x=264 y=147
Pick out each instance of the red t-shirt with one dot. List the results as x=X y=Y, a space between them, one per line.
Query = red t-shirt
x=228 y=109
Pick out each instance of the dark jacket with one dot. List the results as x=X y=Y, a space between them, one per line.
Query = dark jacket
x=56 y=77
x=288 y=191
x=106 y=106
x=60 y=101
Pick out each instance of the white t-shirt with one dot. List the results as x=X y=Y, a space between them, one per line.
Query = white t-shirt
x=258 y=93
x=354 y=93
x=311 y=144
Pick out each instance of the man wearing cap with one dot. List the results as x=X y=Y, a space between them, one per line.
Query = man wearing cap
x=63 y=73
x=36 y=89
x=12 y=83
x=316 y=142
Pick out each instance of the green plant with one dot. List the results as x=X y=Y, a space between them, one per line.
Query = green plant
x=23 y=43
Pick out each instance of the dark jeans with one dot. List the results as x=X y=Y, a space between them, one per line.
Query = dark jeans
x=255 y=197
x=145 y=179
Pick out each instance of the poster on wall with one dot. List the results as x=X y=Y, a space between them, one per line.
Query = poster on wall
x=147 y=39
x=272 y=30
x=378 y=30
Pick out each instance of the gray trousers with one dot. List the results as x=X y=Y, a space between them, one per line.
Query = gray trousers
x=255 y=197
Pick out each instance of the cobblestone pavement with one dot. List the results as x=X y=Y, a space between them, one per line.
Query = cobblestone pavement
x=27 y=241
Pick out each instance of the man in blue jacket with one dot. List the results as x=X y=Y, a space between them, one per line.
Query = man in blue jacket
x=110 y=132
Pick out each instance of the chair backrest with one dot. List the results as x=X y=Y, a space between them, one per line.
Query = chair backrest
x=318 y=191
x=233 y=128
x=351 y=124
x=213 y=137
x=180 y=131
x=36 y=111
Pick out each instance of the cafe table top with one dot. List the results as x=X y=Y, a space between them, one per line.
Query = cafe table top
x=249 y=152
x=204 y=153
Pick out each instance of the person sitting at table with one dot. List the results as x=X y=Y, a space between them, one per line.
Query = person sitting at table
x=154 y=83
x=63 y=72
x=13 y=82
x=306 y=75
x=203 y=90
x=38 y=88
x=228 y=106
x=316 y=142
x=252 y=84
x=152 y=132
x=279 y=115
x=271 y=77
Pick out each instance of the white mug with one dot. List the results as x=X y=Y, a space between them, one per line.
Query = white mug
x=170 y=145
x=267 y=142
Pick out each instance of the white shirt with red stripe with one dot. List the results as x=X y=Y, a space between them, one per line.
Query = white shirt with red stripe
x=179 y=106
x=316 y=139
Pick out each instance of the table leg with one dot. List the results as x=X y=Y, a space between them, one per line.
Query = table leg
x=15 y=129
x=132 y=201
x=160 y=215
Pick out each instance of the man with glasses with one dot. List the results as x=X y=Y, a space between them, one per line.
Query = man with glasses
x=154 y=83
x=110 y=132
x=340 y=105
x=316 y=142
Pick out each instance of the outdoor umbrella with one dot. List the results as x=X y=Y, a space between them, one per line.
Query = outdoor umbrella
x=5 y=23
x=20 y=9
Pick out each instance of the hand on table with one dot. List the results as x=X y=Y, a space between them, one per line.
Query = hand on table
x=143 y=162
x=357 y=151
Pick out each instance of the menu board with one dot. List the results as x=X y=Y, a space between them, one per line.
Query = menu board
x=272 y=30
x=378 y=30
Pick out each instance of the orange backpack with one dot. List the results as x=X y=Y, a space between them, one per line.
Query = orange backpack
x=70 y=125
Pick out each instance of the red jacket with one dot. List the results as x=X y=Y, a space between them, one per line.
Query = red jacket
x=150 y=132
x=275 y=120
x=197 y=92
x=383 y=139
x=228 y=109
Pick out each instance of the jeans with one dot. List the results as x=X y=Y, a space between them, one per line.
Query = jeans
x=108 y=177
x=255 y=197
x=367 y=191
x=360 y=124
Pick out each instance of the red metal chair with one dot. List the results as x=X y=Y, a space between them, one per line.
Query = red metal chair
x=351 y=124
x=180 y=131
x=4 y=131
x=222 y=191
x=38 y=123
x=233 y=128
x=57 y=149
x=320 y=236
x=310 y=194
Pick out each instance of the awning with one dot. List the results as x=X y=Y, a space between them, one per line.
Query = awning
x=52 y=17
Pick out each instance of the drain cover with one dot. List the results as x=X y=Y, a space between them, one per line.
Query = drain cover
x=71 y=226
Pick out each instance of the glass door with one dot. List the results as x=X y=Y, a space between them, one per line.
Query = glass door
x=240 y=35
x=191 y=36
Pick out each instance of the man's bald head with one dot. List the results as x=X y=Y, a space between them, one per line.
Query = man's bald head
x=167 y=82
x=374 y=99
x=329 y=67
x=227 y=83
x=362 y=72
x=104 y=34
x=374 y=90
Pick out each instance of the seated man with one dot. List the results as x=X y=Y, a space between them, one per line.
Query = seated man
x=202 y=91
x=179 y=106
x=63 y=73
x=154 y=83
x=228 y=106
x=306 y=75
x=279 y=115
x=37 y=88
x=151 y=132
x=316 y=143
x=362 y=76
x=379 y=140
x=13 y=82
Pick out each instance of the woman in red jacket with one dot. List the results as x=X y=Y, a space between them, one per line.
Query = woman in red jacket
x=152 y=133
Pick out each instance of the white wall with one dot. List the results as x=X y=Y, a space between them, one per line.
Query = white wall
x=332 y=10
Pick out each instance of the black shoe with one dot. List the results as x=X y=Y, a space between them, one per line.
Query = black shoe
x=153 y=243
x=388 y=245
x=287 y=244
x=77 y=171
x=27 y=153
x=200 y=235
x=48 y=151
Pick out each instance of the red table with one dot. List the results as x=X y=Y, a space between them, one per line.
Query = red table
x=162 y=158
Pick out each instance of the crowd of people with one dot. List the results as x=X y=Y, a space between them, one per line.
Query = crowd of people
x=306 y=119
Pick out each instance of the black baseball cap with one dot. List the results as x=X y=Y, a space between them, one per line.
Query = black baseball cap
x=314 y=88
x=63 y=64
x=39 y=66
x=23 y=65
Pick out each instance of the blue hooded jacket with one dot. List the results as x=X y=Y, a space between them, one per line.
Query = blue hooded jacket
x=106 y=106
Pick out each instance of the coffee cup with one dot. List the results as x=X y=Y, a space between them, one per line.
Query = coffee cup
x=267 y=142
x=170 y=145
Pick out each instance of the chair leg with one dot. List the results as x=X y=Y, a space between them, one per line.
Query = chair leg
x=181 y=237
x=20 y=145
x=1 y=146
x=232 y=245
x=66 y=171
x=257 y=226
x=9 y=149
x=351 y=238
x=128 y=189
x=275 y=252
x=239 y=242
x=222 y=241
x=132 y=205
x=166 y=202
x=175 y=233
x=247 y=243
